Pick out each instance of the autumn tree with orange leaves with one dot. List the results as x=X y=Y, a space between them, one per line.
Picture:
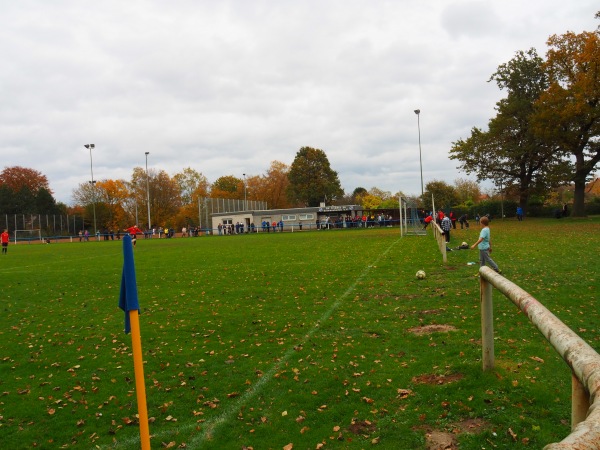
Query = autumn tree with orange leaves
x=17 y=177
x=193 y=188
x=568 y=112
x=272 y=186
x=25 y=190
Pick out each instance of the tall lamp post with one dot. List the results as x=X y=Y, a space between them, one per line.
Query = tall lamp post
x=245 y=202
x=418 y=112
x=148 y=193
x=92 y=183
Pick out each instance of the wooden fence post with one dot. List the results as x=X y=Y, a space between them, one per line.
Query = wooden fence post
x=487 y=325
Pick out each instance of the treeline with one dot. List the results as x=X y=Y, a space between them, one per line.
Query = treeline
x=26 y=191
x=546 y=130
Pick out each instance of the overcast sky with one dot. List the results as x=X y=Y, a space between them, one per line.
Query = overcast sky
x=226 y=87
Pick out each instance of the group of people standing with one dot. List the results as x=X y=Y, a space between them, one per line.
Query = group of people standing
x=266 y=226
x=238 y=228
x=446 y=222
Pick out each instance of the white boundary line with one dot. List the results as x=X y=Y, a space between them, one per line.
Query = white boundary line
x=210 y=426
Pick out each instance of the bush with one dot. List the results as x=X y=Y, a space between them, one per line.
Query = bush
x=495 y=208
x=592 y=208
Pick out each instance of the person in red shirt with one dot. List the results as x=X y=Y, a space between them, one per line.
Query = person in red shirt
x=133 y=231
x=4 y=238
x=427 y=221
x=453 y=219
x=440 y=216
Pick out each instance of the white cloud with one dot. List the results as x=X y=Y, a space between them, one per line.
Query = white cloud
x=227 y=87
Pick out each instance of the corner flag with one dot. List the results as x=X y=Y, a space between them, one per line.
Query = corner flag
x=128 y=302
x=128 y=299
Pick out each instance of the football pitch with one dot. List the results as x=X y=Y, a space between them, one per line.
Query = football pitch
x=304 y=340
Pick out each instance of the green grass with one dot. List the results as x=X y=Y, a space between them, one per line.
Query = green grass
x=305 y=338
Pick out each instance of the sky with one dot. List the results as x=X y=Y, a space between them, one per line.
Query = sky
x=226 y=87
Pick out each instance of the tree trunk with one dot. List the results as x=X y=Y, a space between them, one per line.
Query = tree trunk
x=524 y=185
x=579 y=198
x=582 y=170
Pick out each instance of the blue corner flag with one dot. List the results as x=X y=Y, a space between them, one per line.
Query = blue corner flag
x=128 y=299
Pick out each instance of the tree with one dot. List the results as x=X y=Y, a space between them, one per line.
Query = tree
x=93 y=200
x=510 y=152
x=17 y=177
x=444 y=195
x=393 y=202
x=45 y=203
x=311 y=178
x=272 y=186
x=192 y=184
x=467 y=190
x=165 y=198
x=227 y=187
x=112 y=194
x=357 y=193
x=370 y=201
x=568 y=112
x=383 y=195
x=6 y=200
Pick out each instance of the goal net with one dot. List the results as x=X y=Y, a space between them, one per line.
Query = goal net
x=410 y=222
x=28 y=236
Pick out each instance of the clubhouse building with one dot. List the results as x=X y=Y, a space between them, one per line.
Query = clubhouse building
x=293 y=219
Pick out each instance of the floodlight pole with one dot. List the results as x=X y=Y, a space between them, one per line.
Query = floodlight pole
x=148 y=193
x=92 y=183
x=245 y=201
x=418 y=113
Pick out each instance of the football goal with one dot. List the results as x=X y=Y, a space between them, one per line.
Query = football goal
x=410 y=222
x=28 y=236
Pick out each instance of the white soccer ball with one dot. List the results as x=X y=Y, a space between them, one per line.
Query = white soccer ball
x=464 y=244
x=421 y=274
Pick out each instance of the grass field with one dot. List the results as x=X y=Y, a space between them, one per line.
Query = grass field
x=316 y=339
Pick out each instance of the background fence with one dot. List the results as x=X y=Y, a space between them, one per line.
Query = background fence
x=49 y=224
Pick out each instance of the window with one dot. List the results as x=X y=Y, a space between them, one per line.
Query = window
x=287 y=218
x=306 y=216
x=227 y=221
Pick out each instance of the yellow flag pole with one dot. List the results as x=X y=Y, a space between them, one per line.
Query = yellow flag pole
x=140 y=387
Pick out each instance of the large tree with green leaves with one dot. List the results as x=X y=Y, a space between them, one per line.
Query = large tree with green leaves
x=509 y=152
x=568 y=112
x=444 y=195
x=312 y=180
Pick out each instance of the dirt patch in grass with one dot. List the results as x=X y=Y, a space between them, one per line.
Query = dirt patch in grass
x=431 y=378
x=363 y=427
x=439 y=440
x=446 y=440
x=430 y=311
x=435 y=328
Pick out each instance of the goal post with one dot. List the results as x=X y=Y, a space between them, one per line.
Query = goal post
x=28 y=236
x=410 y=222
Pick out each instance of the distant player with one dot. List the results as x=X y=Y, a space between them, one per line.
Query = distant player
x=4 y=238
x=133 y=231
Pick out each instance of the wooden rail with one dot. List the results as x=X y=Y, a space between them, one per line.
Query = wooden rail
x=583 y=360
x=438 y=234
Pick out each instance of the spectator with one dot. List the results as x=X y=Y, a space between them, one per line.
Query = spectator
x=446 y=227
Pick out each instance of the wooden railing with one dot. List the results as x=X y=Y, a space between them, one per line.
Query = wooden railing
x=438 y=234
x=583 y=360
